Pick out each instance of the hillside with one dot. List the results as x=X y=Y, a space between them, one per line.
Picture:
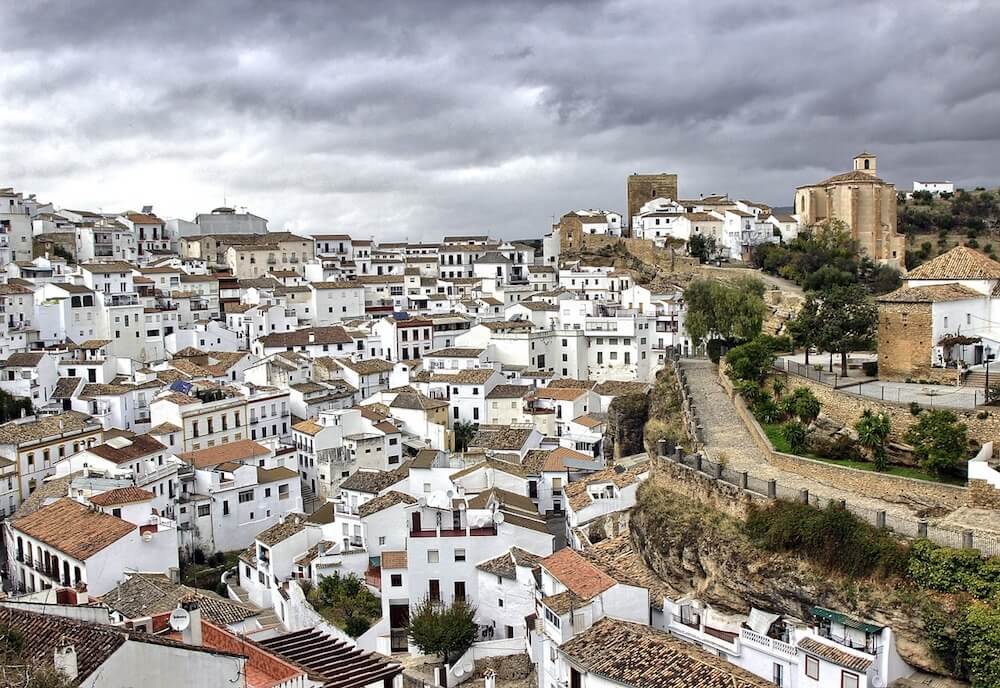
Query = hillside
x=935 y=224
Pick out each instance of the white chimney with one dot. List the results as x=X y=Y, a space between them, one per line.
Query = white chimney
x=64 y=661
x=192 y=634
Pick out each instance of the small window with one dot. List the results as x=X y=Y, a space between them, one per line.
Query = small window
x=459 y=555
x=246 y=496
x=812 y=668
x=204 y=509
x=432 y=556
x=847 y=679
x=396 y=580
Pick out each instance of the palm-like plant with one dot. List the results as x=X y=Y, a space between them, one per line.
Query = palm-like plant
x=873 y=431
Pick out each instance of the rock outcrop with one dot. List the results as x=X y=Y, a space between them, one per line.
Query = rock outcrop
x=698 y=551
x=826 y=437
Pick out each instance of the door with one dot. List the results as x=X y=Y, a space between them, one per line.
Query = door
x=977 y=354
x=399 y=617
x=434 y=590
x=460 y=591
x=416 y=522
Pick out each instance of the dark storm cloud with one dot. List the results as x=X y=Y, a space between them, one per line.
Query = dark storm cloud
x=413 y=119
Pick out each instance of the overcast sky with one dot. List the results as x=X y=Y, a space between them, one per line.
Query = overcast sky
x=415 y=118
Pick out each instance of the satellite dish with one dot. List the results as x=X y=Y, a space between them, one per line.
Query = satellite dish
x=179 y=619
x=450 y=494
x=498 y=517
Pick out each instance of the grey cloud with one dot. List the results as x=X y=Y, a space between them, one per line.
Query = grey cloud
x=400 y=118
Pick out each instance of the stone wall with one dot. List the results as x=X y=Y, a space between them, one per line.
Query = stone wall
x=983 y=495
x=642 y=188
x=718 y=494
x=889 y=488
x=905 y=342
x=847 y=408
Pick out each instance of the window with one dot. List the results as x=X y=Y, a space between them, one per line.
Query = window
x=432 y=556
x=551 y=617
x=267 y=491
x=848 y=680
x=812 y=668
x=459 y=555
x=778 y=675
x=396 y=580
x=246 y=496
x=225 y=507
x=204 y=509
x=500 y=602
x=116 y=512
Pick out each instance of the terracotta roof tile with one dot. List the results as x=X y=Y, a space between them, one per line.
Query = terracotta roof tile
x=122 y=495
x=393 y=560
x=579 y=576
x=91 y=531
x=960 y=262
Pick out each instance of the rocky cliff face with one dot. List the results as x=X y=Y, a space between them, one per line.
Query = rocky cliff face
x=704 y=553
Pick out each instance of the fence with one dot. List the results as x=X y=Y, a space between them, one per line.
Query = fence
x=909 y=527
x=903 y=394
x=687 y=409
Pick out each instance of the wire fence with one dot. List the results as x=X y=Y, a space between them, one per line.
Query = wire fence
x=929 y=395
x=905 y=526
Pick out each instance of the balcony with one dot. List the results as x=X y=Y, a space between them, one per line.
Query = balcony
x=460 y=532
x=753 y=637
x=122 y=300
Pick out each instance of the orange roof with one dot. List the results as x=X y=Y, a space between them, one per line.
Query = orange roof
x=560 y=394
x=960 y=262
x=73 y=529
x=122 y=495
x=394 y=560
x=555 y=461
x=581 y=577
x=231 y=451
x=587 y=421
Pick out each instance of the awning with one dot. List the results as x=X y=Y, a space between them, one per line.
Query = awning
x=760 y=621
x=845 y=620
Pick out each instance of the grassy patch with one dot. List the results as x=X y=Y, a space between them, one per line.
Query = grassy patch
x=207 y=576
x=774 y=434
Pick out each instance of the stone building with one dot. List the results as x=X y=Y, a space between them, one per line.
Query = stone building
x=643 y=188
x=865 y=203
x=941 y=319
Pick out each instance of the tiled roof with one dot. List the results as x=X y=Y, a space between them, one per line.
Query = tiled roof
x=588 y=421
x=560 y=393
x=614 y=388
x=149 y=594
x=24 y=359
x=389 y=499
x=138 y=446
x=114 y=266
x=370 y=482
x=932 y=293
x=122 y=495
x=294 y=523
x=960 y=262
x=46 y=426
x=323 y=515
x=309 y=427
x=500 y=437
x=507 y=325
x=91 y=531
x=509 y=391
x=270 y=475
x=456 y=352
x=416 y=400
x=831 y=654
x=471 y=376
x=371 y=366
x=336 y=285
x=393 y=560
x=338 y=663
x=65 y=387
x=569 y=383
x=231 y=451
x=617 y=558
x=506 y=564
x=638 y=656
x=321 y=335
x=578 y=496
x=579 y=576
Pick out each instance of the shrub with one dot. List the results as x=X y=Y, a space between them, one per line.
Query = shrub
x=751 y=361
x=832 y=537
x=750 y=390
x=780 y=344
x=915 y=408
x=939 y=441
x=198 y=556
x=947 y=569
x=983 y=415
x=794 y=433
x=766 y=411
x=803 y=404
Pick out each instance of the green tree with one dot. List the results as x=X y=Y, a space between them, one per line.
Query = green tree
x=348 y=601
x=750 y=362
x=802 y=329
x=847 y=321
x=464 y=432
x=938 y=440
x=873 y=431
x=443 y=631
x=730 y=311
x=11 y=407
x=802 y=404
x=702 y=247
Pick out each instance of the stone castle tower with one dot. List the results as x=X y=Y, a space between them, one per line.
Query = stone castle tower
x=642 y=188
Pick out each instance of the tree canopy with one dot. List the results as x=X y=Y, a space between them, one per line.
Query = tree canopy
x=445 y=631
x=847 y=320
x=727 y=310
x=939 y=440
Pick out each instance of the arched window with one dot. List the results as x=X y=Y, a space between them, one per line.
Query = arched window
x=868 y=164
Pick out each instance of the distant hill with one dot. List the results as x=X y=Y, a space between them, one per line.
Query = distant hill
x=935 y=224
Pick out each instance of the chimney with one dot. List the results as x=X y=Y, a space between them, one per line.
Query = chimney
x=174 y=574
x=192 y=634
x=321 y=548
x=64 y=661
